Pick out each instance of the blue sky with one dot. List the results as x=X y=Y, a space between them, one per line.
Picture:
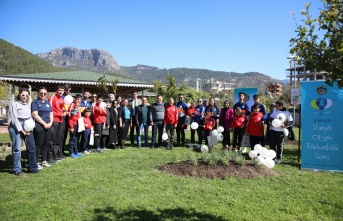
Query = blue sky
x=220 y=35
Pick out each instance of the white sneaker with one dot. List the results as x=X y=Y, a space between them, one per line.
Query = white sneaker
x=85 y=152
x=39 y=167
x=244 y=150
x=45 y=164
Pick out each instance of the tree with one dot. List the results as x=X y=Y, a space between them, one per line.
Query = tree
x=102 y=83
x=319 y=41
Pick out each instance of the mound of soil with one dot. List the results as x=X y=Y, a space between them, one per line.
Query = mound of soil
x=203 y=170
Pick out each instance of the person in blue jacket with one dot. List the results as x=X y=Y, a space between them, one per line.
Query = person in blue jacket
x=197 y=114
x=182 y=114
x=213 y=109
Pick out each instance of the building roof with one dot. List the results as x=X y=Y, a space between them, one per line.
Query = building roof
x=78 y=80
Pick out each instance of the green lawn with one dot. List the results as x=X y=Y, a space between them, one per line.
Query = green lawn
x=126 y=185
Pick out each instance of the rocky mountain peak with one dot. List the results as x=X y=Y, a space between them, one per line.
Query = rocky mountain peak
x=90 y=59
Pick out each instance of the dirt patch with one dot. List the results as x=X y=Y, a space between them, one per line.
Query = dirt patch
x=203 y=170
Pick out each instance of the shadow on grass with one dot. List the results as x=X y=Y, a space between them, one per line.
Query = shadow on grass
x=6 y=164
x=291 y=157
x=109 y=213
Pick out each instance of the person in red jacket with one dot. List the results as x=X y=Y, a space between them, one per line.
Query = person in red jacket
x=255 y=126
x=99 y=117
x=209 y=125
x=87 y=132
x=74 y=136
x=238 y=125
x=225 y=120
x=170 y=120
x=57 y=130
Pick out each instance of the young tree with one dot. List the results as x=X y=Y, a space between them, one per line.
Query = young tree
x=319 y=41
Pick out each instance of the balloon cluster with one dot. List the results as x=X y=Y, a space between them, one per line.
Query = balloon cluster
x=263 y=156
x=215 y=133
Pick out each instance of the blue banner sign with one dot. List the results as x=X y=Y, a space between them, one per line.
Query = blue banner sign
x=322 y=121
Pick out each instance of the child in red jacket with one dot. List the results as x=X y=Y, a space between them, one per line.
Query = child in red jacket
x=238 y=125
x=209 y=124
x=255 y=126
x=87 y=132
x=74 y=135
x=99 y=117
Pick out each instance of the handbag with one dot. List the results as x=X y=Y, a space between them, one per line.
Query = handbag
x=81 y=125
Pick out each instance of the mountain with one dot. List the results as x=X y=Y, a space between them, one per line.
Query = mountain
x=15 y=60
x=94 y=60
x=97 y=60
x=188 y=76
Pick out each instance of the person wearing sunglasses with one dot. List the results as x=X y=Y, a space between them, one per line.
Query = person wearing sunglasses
x=20 y=112
x=42 y=113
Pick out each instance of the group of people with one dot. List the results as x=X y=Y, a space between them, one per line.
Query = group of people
x=96 y=124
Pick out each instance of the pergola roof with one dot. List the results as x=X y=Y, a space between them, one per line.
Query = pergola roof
x=78 y=80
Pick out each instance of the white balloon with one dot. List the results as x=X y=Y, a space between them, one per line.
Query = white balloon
x=252 y=154
x=220 y=137
x=281 y=117
x=264 y=152
x=276 y=123
x=258 y=148
x=103 y=105
x=164 y=136
x=68 y=99
x=261 y=160
x=214 y=133
x=272 y=154
x=194 y=125
x=204 y=148
x=29 y=125
x=220 y=129
x=269 y=163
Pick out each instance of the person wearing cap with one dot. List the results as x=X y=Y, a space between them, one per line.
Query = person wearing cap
x=268 y=122
x=263 y=111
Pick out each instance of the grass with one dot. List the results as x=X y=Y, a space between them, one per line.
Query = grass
x=125 y=185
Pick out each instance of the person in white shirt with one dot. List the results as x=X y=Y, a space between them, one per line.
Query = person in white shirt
x=277 y=136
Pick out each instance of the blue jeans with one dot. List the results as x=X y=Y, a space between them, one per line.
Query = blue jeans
x=16 y=138
x=158 y=126
x=146 y=130
x=74 y=140
x=85 y=139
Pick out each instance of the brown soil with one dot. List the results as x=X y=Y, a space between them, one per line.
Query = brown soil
x=203 y=170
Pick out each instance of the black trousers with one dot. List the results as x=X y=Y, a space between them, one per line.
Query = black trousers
x=276 y=142
x=226 y=138
x=97 y=135
x=180 y=133
x=237 y=136
x=42 y=140
x=254 y=140
x=133 y=128
x=56 y=139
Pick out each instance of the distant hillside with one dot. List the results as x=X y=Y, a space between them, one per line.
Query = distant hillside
x=94 y=60
x=15 y=60
x=188 y=76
